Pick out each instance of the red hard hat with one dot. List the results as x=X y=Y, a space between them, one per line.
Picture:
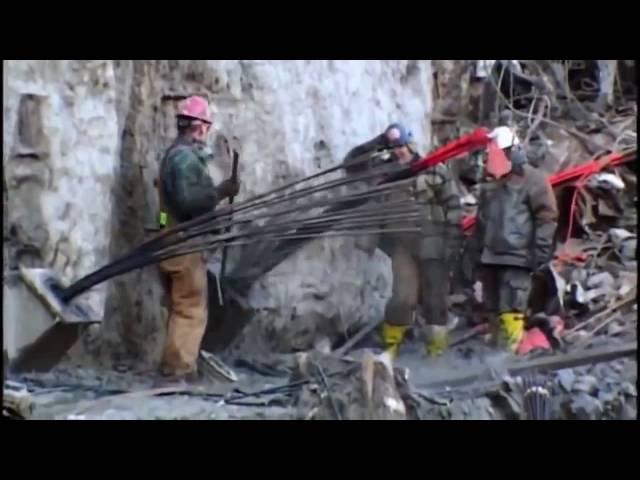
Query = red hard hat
x=196 y=107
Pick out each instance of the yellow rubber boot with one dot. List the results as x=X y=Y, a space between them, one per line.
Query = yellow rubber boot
x=437 y=340
x=510 y=330
x=392 y=336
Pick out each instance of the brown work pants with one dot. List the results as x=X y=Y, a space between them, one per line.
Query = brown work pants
x=417 y=282
x=187 y=282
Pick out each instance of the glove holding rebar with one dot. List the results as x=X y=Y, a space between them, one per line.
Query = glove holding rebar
x=358 y=159
x=228 y=188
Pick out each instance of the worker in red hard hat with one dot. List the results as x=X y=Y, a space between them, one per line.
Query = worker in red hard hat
x=514 y=234
x=187 y=191
x=419 y=261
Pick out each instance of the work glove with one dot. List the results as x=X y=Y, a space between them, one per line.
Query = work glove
x=228 y=188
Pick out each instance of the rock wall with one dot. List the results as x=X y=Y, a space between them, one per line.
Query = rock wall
x=60 y=144
x=98 y=130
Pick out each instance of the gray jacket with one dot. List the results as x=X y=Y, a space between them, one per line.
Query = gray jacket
x=517 y=220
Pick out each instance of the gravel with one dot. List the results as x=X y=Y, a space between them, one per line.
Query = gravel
x=585 y=407
x=587 y=384
x=566 y=378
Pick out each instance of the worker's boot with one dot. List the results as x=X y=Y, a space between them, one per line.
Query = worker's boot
x=510 y=330
x=168 y=377
x=436 y=341
x=392 y=336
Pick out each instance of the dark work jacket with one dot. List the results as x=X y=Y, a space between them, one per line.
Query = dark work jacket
x=517 y=220
x=186 y=188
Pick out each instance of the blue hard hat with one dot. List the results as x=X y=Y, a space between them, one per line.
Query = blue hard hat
x=401 y=135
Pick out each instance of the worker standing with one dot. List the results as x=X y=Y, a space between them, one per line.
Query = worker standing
x=187 y=191
x=419 y=261
x=514 y=236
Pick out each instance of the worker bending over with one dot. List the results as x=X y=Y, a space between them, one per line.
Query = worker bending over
x=419 y=260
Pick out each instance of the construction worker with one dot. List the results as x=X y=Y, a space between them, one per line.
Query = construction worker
x=514 y=235
x=187 y=191
x=419 y=261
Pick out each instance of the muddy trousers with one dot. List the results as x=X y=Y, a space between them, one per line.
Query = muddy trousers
x=417 y=282
x=505 y=288
x=187 y=283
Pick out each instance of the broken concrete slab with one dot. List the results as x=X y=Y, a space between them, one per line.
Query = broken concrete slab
x=586 y=407
x=601 y=280
x=586 y=383
x=619 y=235
x=627 y=246
x=629 y=389
x=566 y=378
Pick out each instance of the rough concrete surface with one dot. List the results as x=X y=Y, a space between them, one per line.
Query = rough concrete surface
x=83 y=140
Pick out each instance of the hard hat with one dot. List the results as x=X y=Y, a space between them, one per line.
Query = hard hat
x=504 y=137
x=195 y=107
x=397 y=135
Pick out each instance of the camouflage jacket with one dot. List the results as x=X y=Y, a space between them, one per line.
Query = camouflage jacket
x=441 y=232
x=186 y=189
x=441 y=220
x=517 y=221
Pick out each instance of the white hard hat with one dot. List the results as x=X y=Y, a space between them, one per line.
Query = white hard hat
x=504 y=137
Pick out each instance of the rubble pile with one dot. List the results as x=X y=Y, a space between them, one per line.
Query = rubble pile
x=605 y=391
x=601 y=392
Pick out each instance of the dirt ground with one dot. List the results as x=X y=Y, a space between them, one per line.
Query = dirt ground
x=602 y=391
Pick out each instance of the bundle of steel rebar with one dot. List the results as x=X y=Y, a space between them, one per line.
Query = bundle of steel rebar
x=537 y=398
x=362 y=211
x=250 y=214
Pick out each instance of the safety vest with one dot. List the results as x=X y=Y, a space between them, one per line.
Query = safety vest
x=164 y=219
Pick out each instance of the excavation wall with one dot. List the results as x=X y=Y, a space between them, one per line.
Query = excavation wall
x=82 y=143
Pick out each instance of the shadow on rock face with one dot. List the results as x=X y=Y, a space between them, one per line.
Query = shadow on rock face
x=225 y=321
